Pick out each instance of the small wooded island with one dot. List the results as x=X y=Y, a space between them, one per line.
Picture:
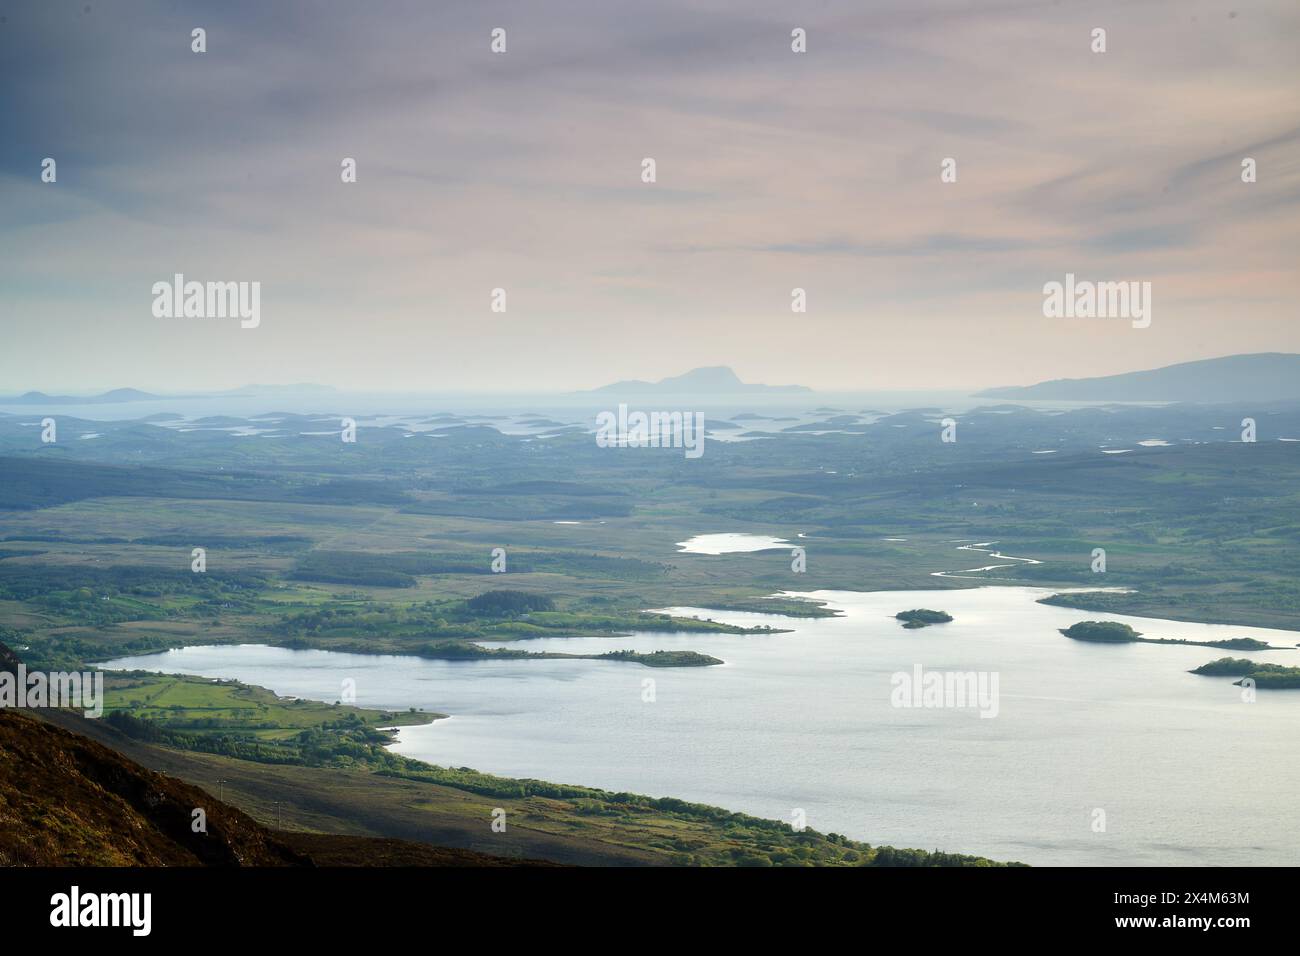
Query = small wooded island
x=664 y=658
x=922 y=617
x=464 y=650
x=1113 y=632
x=1276 y=676
x=1105 y=632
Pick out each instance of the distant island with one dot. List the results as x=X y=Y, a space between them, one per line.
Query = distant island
x=922 y=617
x=104 y=398
x=1274 y=676
x=1261 y=377
x=1113 y=632
x=119 y=396
x=715 y=380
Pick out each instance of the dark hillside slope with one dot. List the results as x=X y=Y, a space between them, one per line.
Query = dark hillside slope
x=68 y=801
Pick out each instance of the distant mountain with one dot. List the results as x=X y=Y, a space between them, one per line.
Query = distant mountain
x=295 y=388
x=1262 y=377
x=135 y=395
x=714 y=380
x=106 y=398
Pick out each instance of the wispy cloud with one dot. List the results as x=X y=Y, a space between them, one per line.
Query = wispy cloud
x=775 y=170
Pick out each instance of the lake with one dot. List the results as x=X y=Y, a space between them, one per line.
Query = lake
x=730 y=543
x=1183 y=769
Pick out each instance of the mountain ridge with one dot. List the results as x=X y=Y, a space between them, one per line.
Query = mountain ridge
x=121 y=395
x=706 y=380
x=112 y=396
x=1250 y=377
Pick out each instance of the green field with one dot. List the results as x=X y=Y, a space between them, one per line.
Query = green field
x=390 y=547
x=202 y=705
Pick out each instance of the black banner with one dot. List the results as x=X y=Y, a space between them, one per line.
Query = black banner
x=945 y=906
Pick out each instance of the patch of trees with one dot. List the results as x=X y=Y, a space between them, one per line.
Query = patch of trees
x=399 y=569
x=394 y=569
x=1105 y=632
x=1276 y=676
x=664 y=658
x=44 y=482
x=509 y=602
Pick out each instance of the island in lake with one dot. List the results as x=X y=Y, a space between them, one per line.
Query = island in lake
x=922 y=617
x=1275 y=676
x=464 y=650
x=1114 y=632
x=1103 y=632
x=663 y=658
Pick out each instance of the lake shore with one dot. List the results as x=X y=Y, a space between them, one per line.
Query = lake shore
x=835 y=672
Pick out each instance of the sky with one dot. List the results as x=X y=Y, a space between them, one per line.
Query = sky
x=523 y=171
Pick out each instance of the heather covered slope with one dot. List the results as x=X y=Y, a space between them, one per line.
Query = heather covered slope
x=66 y=800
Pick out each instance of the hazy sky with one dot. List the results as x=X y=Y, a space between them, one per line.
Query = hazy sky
x=522 y=170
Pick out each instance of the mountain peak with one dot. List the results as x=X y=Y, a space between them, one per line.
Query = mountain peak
x=713 y=376
x=711 y=379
